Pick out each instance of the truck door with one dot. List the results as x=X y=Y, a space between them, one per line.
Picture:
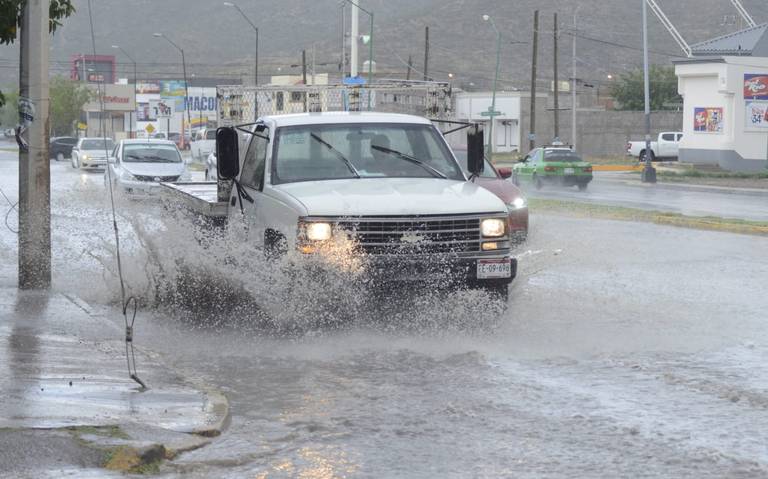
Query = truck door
x=667 y=145
x=252 y=179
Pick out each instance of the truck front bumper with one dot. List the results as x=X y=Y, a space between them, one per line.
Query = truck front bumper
x=477 y=269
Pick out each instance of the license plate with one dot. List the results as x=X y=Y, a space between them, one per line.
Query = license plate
x=494 y=268
x=568 y=171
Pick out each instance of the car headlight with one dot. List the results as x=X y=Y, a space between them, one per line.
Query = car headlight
x=127 y=176
x=318 y=231
x=517 y=204
x=493 y=227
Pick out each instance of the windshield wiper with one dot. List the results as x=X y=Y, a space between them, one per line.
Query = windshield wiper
x=435 y=172
x=338 y=154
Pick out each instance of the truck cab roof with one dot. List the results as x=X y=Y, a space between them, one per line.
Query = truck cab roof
x=342 y=117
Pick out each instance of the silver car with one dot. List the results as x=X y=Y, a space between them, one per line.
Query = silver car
x=92 y=153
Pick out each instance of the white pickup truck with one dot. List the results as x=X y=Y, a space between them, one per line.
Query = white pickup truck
x=666 y=147
x=203 y=144
x=385 y=186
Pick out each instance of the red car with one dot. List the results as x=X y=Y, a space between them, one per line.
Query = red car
x=496 y=182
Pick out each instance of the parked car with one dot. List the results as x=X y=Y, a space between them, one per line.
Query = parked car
x=139 y=166
x=553 y=165
x=60 y=147
x=204 y=144
x=92 y=153
x=665 y=147
x=211 y=168
x=160 y=135
x=495 y=180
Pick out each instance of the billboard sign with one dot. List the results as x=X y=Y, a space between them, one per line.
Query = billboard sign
x=757 y=115
x=708 y=120
x=173 y=92
x=755 y=86
x=161 y=108
x=147 y=87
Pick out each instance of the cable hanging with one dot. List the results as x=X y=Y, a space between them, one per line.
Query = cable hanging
x=130 y=355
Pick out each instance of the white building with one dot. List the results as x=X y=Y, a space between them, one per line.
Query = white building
x=725 y=99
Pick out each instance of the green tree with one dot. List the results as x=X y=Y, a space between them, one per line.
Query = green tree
x=629 y=90
x=67 y=100
x=10 y=20
x=9 y=113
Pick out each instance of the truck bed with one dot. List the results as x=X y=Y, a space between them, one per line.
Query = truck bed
x=198 y=196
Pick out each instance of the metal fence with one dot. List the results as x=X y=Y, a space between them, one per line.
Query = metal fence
x=239 y=104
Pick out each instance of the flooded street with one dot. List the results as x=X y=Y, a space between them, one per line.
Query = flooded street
x=627 y=350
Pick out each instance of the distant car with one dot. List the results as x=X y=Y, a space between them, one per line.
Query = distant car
x=667 y=146
x=493 y=180
x=553 y=165
x=139 y=165
x=204 y=144
x=92 y=153
x=160 y=135
x=60 y=147
x=211 y=167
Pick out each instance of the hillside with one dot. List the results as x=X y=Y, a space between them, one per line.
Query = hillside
x=217 y=41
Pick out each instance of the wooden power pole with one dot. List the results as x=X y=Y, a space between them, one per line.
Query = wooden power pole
x=532 y=135
x=410 y=67
x=34 y=163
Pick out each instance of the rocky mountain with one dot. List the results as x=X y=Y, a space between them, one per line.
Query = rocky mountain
x=218 y=42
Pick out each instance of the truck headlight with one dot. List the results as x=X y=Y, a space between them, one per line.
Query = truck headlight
x=318 y=231
x=493 y=227
x=84 y=157
x=517 y=204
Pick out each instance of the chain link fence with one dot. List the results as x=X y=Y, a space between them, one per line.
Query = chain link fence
x=243 y=104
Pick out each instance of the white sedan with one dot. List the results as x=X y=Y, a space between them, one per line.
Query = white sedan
x=139 y=166
x=92 y=153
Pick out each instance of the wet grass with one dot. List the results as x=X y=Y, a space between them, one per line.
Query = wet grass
x=692 y=173
x=587 y=210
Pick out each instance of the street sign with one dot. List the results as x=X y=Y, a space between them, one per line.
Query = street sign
x=490 y=112
x=149 y=128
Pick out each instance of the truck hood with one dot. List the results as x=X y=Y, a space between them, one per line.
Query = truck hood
x=391 y=197
x=154 y=169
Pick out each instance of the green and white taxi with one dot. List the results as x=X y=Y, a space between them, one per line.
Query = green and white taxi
x=558 y=165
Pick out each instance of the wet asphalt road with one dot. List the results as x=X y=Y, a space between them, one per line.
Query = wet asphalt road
x=627 y=350
x=625 y=189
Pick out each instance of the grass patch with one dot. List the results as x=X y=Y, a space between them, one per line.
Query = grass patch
x=105 y=431
x=612 y=160
x=588 y=210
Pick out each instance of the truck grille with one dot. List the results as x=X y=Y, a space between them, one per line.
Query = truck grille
x=414 y=235
x=157 y=178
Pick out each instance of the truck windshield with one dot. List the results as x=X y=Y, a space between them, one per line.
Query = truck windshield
x=151 y=154
x=97 y=145
x=361 y=150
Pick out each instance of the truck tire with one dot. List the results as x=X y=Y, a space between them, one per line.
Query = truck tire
x=642 y=156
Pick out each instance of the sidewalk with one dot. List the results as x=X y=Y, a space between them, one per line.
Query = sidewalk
x=634 y=180
x=64 y=386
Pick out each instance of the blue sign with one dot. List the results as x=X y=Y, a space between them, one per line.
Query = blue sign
x=354 y=80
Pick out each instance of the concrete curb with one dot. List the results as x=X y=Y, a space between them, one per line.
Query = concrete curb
x=617 y=168
x=701 y=188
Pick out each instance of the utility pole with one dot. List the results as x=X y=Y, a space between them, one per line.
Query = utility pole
x=304 y=75
x=557 y=86
x=410 y=66
x=353 y=41
x=34 y=164
x=532 y=135
x=342 y=62
x=649 y=173
x=426 y=53
x=573 y=85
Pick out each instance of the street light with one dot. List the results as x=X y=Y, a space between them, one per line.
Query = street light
x=256 y=62
x=370 y=47
x=135 y=105
x=492 y=111
x=186 y=88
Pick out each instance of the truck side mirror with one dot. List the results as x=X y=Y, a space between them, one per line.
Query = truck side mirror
x=475 y=151
x=227 y=153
